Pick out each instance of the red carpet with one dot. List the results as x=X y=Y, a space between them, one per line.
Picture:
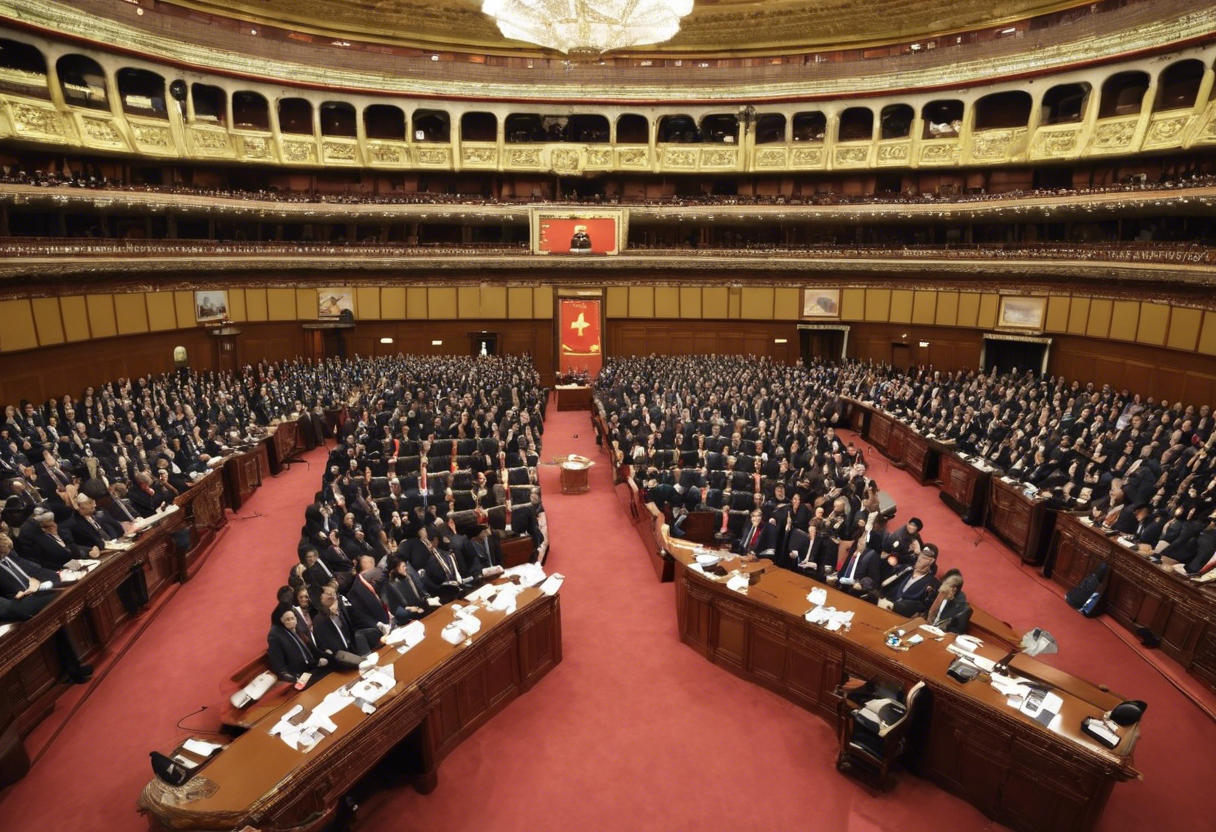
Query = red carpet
x=632 y=731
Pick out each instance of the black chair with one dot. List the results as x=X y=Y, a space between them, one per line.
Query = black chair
x=874 y=731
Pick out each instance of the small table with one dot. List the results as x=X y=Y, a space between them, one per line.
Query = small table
x=574 y=474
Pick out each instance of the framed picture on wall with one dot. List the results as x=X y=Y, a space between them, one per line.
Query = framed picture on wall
x=581 y=233
x=210 y=305
x=332 y=302
x=821 y=303
x=1024 y=313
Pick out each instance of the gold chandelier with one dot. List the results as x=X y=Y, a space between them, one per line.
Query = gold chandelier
x=586 y=29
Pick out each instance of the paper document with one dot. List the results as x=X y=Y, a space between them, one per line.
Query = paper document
x=201 y=747
x=409 y=635
x=818 y=596
x=553 y=583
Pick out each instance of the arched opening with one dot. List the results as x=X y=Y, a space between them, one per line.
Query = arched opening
x=250 y=111
x=432 y=126
x=338 y=119
x=679 y=129
x=896 y=121
x=83 y=82
x=810 y=127
x=479 y=127
x=210 y=104
x=1065 y=104
x=1179 y=86
x=22 y=69
x=1123 y=94
x=295 y=116
x=720 y=128
x=943 y=119
x=384 y=121
x=142 y=93
x=524 y=128
x=770 y=128
x=856 y=124
x=1003 y=110
x=632 y=128
x=586 y=128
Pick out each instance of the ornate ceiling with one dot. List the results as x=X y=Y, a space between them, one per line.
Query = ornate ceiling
x=714 y=27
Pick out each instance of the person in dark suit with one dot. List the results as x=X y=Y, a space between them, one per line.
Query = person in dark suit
x=404 y=591
x=483 y=553
x=911 y=593
x=90 y=526
x=861 y=572
x=335 y=557
x=443 y=570
x=950 y=610
x=758 y=539
x=52 y=548
x=367 y=610
x=332 y=628
x=819 y=554
x=288 y=655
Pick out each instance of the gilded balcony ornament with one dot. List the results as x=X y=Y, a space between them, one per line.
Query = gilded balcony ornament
x=480 y=156
x=387 y=154
x=805 y=157
x=564 y=159
x=300 y=152
x=892 y=153
x=852 y=155
x=209 y=142
x=720 y=158
x=992 y=144
x=41 y=122
x=1054 y=144
x=1167 y=131
x=770 y=157
x=599 y=157
x=152 y=137
x=432 y=156
x=524 y=157
x=939 y=154
x=1115 y=135
x=1208 y=133
x=101 y=131
x=338 y=151
x=255 y=147
x=633 y=157
x=675 y=157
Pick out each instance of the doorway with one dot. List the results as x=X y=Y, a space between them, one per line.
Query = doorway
x=901 y=355
x=821 y=345
x=483 y=343
x=1002 y=355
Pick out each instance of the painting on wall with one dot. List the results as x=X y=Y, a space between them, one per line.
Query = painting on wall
x=821 y=303
x=1023 y=313
x=210 y=305
x=331 y=303
x=578 y=232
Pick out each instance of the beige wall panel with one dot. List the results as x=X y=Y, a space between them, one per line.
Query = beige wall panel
x=1207 y=336
x=519 y=302
x=852 y=305
x=690 y=301
x=924 y=307
x=101 y=315
x=183 y=305
x=542 y=302
x=946 y=313
x=306 y=304
x=416 y=300
x=1056 y=319
x=281 y=304
x=901 y=306
x=641 y=301
x=617 y=305
x=47 y=321
x=667 y=301
x=468 y=301
x=756 y=303
x=76 y=318
x=131 y=313
x=787 y=304
x=1184 y=327
x=441 y=303
x=734 y=302
x=715 y=302
x=236 y=305
x=1099 y=318
x=878 y=305
x=17 y=332
x=968 y=308
x=367 y=301
x=1078 y=315
x=494 y=302
x=1154 y=322
x=1124 y=320
x=255 y=304
x=161 y=314
x=392 y=303
x=990 y=302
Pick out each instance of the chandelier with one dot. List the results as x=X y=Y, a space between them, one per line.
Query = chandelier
x=586 y=29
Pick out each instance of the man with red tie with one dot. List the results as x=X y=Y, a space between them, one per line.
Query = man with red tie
x=759 y=539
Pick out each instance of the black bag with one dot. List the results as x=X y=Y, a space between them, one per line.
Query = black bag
x=1086 y=597
x=167 y=770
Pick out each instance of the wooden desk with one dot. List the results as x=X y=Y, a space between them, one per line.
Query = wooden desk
x=878 y=429
x=517 y=549
x=963 y=487
x=1023 y=523
x=922 y=457
x=1178 y=611
x=243 y=473
x=286 y=441
x=970 y=742
x=573 y=397
x=203 y=508
x=443 y=694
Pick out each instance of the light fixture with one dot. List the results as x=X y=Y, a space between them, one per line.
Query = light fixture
x=386 y=340
x=584 y=30
x=781 y=340
x=436 y=343
x=924 y=343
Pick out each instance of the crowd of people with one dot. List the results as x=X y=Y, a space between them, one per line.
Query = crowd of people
x=754 y=442
x=435 y=462
x=429 y=443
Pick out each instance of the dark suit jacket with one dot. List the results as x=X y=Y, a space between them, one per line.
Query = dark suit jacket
x=955 y=614
x=483 y=555
x=820 y=552
x=867 y=567
x=288 y=655
x=82 y=530
x=11 y=584
x=45 y=551
x=766 y=544
x=333 y=633
x=442 y=568
x=366 y=610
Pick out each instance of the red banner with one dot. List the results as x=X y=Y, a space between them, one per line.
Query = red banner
x=584 y=235
x=580 y=337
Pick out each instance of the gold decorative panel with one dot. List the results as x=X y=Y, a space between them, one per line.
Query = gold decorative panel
x=479 y=155
x=524 y=157
x=382 y=153
x=679 y=158
x=1055 y=144
x=41 y=122
x=433 y=157
x=894 y=154
x=299 y=152
x=255 y=147
x=337 y=152
x=1165 y=130
x=852 y=157
x=633 y=157
x=720 y=157
x=101 y=132
x=939 y=153
x=565 y=159
x=1114 y=135
x=153 y=138
x=208 y=141
x=771 y=157
x=599 y=157
x=996 y=145
x=806 y=157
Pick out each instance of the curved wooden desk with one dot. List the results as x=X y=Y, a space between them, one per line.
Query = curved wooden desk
x=1016 y=771
x=443 y=694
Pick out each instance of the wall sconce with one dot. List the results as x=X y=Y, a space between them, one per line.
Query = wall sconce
x=781 y=340
x=386 y=340
x=924 y=343
x=436 y=343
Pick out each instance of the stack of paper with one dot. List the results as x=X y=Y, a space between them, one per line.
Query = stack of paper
x=830 y=618
x=553 y=583
x=738 y=583
x=529 y=574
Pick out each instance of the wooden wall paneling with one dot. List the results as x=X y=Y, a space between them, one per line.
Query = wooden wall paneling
x=1207 y=335
x=236 y=305
x=756 y=303
x=468 y=302
x=183 y=309
x=990 y=303
x=787 y=303
x=131 y=313
x=1124 y=320
x=901 y=306
x=924 y=307
x=968 y=308
x=641 y=301
x=367 y=299
x=715 y=303
x=542 y=302
x=690 y=301
x=1184 y=328
x=416 y=300
x=162 y=314
x=616 y=302
x=392 y=302
x=1153 y=323
x=255 y=304
x=1078 y=315
x=519 y=302
x=667 y=302
x=281 y=304
x=1056 y=319
x=878 y=305
x=101 y=316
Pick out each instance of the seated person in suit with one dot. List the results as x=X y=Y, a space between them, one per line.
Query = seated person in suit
x=950 y=610
x=448 y=576
x=332 y=628
x=909 y=593
x=758 y=540
x=405 y=592
x=819 y=554
x=861 y=573
x=903 y=544
x=90 y=525
x=483 y=554
x=52 y=549
x=367 y=611
x=288 y=655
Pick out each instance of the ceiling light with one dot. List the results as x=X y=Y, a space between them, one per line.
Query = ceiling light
x=585 y=30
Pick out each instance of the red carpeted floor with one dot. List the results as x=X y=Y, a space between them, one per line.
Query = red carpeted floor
x=632 y=731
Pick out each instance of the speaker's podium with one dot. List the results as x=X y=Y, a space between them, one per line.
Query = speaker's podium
x=574 y=470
